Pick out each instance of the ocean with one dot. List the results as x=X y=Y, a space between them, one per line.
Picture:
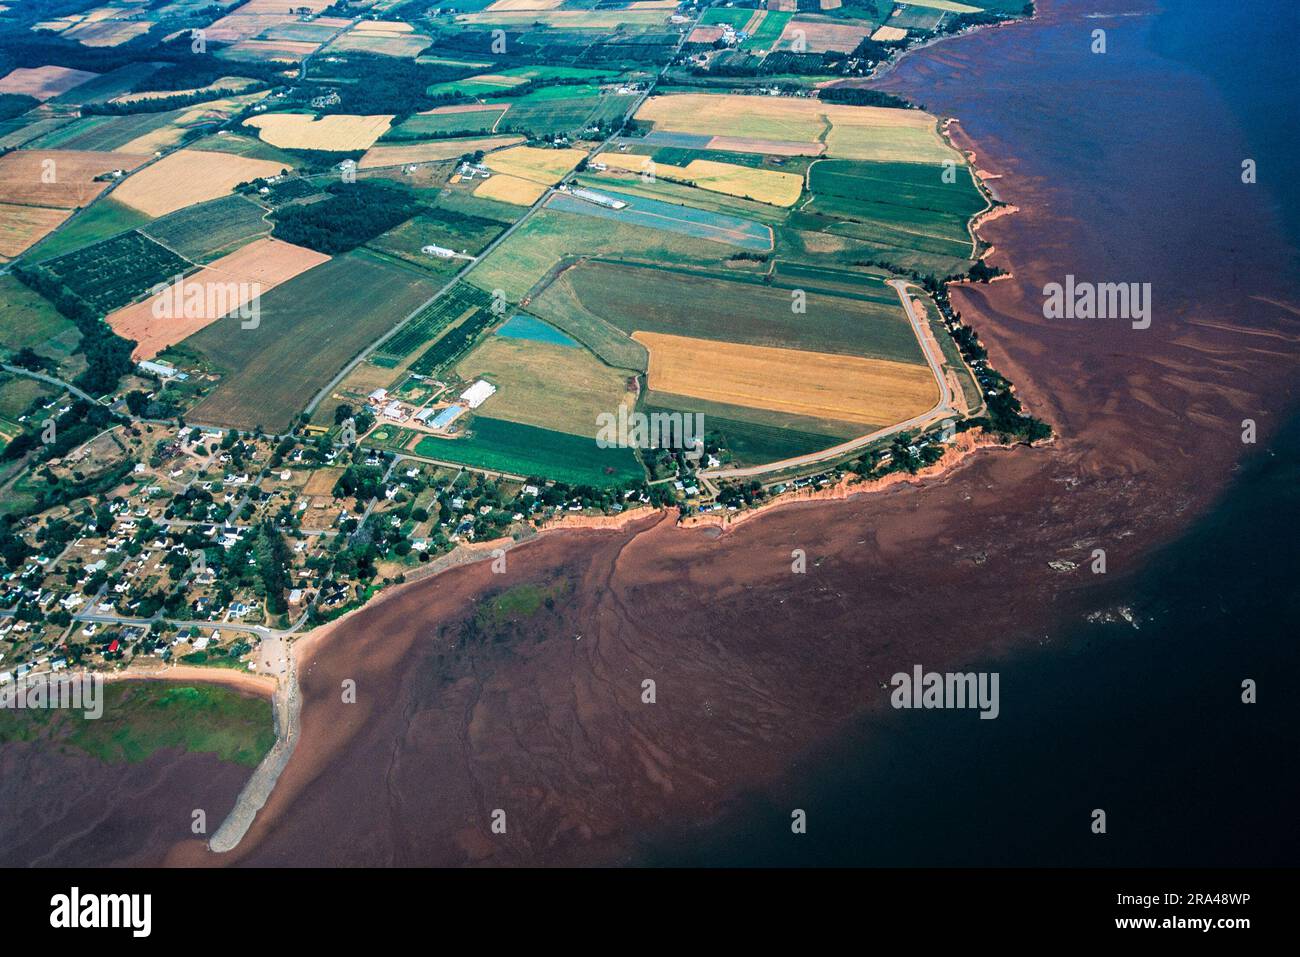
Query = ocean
x=1143 y=720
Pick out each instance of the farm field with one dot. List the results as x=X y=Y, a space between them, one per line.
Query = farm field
x=546 y=384
x=472 y=118
x=23 y=226
x=510 y=189
x=529 y=451
x=848 y=132
x=817 y=384
x=385 y=43
x=560 y=305
x=467 y=234
x=819 y=36
x=765 y=34
x=187 y=177
x=750 y=442
x=651 y=299
x=255 y=269
x=101 y=219
x=457 y=304
x=761 y=185
x=679 y=194
x=551 y=234
x=688 y=221
x=43 y=82
x=273 y=371
x=336 y=133
x=64 y=179
x=904 y=205
x=207 y=230
x=106 y=86
x=397 y=155
x=531 y=163
x=112 y=273
x=28 y=320
x=561 y=114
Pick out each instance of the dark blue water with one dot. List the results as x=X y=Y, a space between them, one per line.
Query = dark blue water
x=1248 y=51
x=1148 y=723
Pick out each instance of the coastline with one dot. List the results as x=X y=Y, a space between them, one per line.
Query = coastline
x=773 y=669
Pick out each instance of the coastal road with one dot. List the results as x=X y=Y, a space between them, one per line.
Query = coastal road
x=941 y=410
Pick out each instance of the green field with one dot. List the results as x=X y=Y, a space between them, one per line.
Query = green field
x=100 y=220
x=117 y=271
x=768 y=31
x=649 y=299
x=903 y=205
x=540 y=117
x=27 y=320
x=443 y=124
x=723 y=15
x=750 y=443
x=524 y=450
x=310 y=327
x=141 y=718
x=210 y=230
x=550 y=235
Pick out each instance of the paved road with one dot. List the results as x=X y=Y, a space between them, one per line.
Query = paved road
x=941 y=410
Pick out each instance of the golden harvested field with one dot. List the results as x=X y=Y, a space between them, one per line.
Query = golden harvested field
x=266 y=262
x=62 y=178
x=849 y=132
x=531 y=162
x=510 y=189
x=187 y=177
x=846 y=388
x=818 y=37
x=431 y=151
x=763 y=185
x=337 y=133
x=21 y=226
x=384 y=26
x=889 y=34
x=44 y=82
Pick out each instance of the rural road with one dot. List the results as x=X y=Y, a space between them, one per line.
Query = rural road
x=942 y=409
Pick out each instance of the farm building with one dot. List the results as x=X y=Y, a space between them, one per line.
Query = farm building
x=478 y=393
